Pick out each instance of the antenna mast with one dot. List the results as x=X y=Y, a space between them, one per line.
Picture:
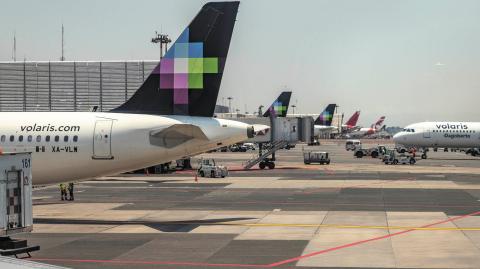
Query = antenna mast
x=63 y=44
x=14 y=56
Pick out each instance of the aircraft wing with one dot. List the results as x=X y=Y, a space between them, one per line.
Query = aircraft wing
x=175 y=135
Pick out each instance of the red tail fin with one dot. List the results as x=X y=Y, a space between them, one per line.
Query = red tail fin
x=353 y=119
x=379 y=123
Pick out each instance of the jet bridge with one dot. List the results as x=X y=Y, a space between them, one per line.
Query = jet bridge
x=283 y=133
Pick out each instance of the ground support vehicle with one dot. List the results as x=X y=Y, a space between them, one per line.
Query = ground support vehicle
x=392 y=157
x=320 y=157
x=374 y=152
x=208 y=168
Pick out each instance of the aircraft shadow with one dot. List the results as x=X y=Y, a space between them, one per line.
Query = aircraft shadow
x=164 y=226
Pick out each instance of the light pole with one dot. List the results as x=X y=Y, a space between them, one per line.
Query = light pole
x=162 y=39
x=260 y=112
x=340 y=120
x=230 y=105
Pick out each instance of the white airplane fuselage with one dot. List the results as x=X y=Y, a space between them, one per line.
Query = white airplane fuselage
x=320 y=129
x=362 y=132
x=84 y=145
x=440 y=134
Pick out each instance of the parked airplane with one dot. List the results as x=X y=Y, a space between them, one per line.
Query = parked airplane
x=439 y=135
x=169 y=117
x=368 y=131
x=324 y=121
x=279 y=107
x=351 y=124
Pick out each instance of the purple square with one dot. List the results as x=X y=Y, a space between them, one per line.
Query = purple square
x=180 y=81
x=166 y=81
x=166 y=66
x=180 y=96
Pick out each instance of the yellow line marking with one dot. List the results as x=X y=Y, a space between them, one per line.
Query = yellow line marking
x=340 y=226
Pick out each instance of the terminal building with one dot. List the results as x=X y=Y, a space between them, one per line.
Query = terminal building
x=70 y=86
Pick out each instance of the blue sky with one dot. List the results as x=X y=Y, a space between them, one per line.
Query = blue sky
x=408 y=60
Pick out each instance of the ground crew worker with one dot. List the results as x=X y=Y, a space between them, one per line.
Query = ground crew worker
x=70 y=190
x=63 y=191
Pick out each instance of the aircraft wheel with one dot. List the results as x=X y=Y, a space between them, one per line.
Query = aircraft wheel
x=261 y=165
x=271 y=165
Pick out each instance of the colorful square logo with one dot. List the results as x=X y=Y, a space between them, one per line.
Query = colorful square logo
x=183 y=68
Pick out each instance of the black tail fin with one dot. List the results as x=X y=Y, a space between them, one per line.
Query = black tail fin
x=187 y=79
x=279 y=108
x=326 y=116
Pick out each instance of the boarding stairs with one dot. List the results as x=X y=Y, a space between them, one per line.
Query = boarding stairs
x=269 y=151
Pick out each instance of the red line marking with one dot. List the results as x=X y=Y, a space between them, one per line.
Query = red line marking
x=275 y=264
x=367 y=240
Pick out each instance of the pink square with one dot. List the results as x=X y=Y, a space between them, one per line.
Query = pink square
x=166 y=81
x=180 y=81
x=166 y=66
x=180 y=96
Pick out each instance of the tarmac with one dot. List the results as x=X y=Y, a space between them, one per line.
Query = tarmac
x=353 y=213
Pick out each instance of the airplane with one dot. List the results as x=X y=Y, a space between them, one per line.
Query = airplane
x=374 y=128
x=323 y=123
x=439 y=135
x=351 y=124
x=279 y=107
x=169 y=117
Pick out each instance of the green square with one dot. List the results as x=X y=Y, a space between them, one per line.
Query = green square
x=195 y=81
x=210 y=65
x=195 y=65
x=280 y=109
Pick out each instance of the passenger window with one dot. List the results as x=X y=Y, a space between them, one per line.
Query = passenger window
x=75 y=138
x=47 y=138
x=39 y=138
x=57 y=138
x=12 y=138
x=65 y=138
x=20 y=138
x=3 y=138
x=30 y=138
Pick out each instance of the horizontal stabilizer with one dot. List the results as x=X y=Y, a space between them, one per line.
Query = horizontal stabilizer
x=175 y=135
